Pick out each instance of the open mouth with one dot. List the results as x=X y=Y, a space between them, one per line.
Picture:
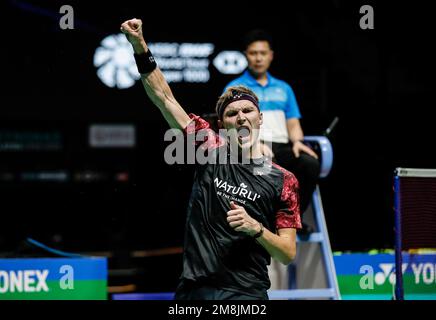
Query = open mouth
x=244 y=134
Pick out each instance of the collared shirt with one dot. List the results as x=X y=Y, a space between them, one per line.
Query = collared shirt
x=277 y=103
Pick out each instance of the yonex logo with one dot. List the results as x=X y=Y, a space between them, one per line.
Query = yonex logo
x=230 y=62
x=34 y=281
x=422 y=273
x=387 y=273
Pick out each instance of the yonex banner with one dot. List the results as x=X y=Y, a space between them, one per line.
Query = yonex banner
x=53 y=279
x=372 y=276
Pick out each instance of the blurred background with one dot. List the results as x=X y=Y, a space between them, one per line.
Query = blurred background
x=82 y=151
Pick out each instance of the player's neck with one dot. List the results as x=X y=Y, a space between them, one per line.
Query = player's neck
x=255 y=152
x=251 y=153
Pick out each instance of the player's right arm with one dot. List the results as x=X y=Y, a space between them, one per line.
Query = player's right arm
x=154 y=82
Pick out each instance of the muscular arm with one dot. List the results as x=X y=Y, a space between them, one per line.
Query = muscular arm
x=281 y=246
x=154 y=82
x=160 y=94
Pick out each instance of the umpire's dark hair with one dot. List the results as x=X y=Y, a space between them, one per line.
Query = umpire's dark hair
x=257 y=35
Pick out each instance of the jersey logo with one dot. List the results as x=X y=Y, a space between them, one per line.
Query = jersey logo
x=231 y=192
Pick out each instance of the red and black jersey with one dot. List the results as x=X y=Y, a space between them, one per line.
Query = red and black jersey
x=215 y=253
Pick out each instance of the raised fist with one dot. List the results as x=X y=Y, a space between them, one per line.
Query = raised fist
x=133 y=30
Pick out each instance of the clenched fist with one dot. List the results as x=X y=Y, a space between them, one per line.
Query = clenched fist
x=133 y=30
x=241 y=221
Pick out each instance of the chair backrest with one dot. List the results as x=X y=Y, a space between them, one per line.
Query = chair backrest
x=323 y=148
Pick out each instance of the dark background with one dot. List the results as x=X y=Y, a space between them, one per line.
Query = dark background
x=378 y=82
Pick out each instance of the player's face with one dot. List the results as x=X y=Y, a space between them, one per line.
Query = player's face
x=259 y=56
x=242 y=119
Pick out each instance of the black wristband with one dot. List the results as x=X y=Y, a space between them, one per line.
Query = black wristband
x=145 y=62
x=257 y=235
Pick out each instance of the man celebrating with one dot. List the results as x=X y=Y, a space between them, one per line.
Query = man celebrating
x=242 y=210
